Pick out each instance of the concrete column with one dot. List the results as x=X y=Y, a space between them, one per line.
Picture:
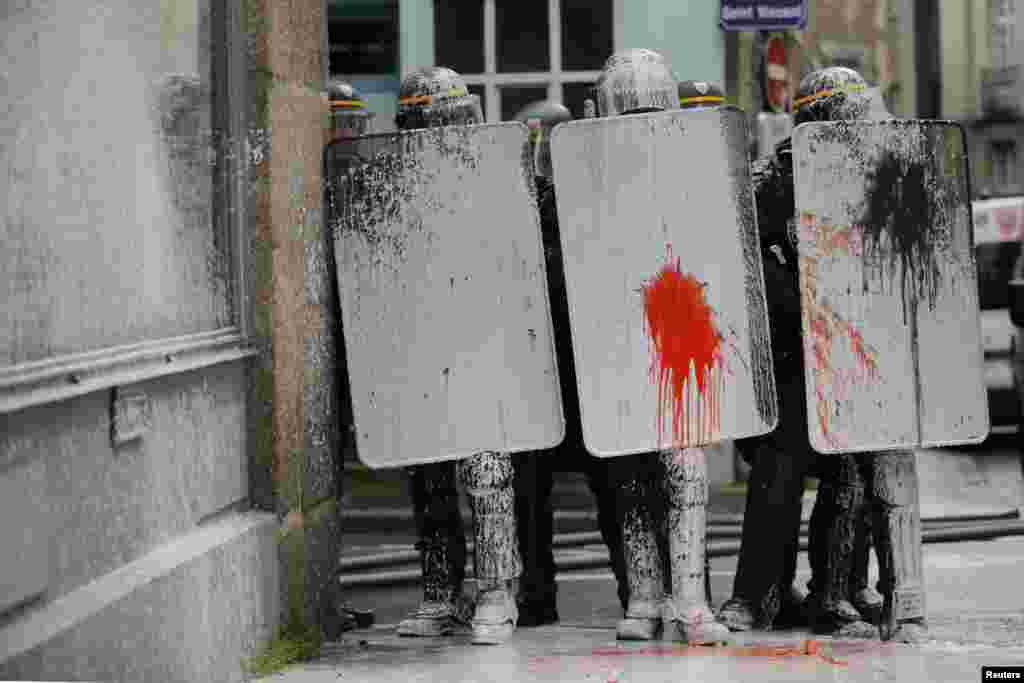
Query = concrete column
x=294 y=472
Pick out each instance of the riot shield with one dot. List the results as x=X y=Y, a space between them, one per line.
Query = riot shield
x=444 y=295
x=888 y=286
x=665 y=287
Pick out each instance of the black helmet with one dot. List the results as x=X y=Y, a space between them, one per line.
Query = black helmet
x=541 y=117
x=636 y=80
x=699 y=94
x=349 y=115
x=832 y=94
x=436 y=96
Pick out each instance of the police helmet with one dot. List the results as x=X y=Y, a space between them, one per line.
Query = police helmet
x=835 y=93
x=634 y=81
x=436 y=96
x=700 y=94
x=349 y=114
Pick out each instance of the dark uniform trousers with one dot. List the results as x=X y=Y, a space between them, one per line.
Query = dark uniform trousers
x=535 y=471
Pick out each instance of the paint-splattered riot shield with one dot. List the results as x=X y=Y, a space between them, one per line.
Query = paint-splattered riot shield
x=665 y=287
x=888 y=286
x=443 y=296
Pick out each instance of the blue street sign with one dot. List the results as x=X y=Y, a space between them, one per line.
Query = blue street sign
x=763 y=15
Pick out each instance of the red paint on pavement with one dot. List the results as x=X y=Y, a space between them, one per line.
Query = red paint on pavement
x=684 y=339
x=807 y=648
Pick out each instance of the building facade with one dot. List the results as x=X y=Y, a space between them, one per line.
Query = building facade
x=168 y=460
x=998 y=129
x=514 y=53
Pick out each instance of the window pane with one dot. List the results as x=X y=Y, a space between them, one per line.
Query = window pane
x=133 y=207
x=573 y=95
x=459 y=35
x=515 y=98
x=363 y=39
x=481 y=92
x=586 y=34
x=523 y=36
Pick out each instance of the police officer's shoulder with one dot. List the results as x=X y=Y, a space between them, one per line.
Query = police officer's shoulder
x=783 y=157
x=545 y=192
x=763 y=170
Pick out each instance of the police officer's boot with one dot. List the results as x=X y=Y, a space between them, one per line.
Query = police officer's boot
x=442 y=549
x=643 y=619
x=841 y=497
x=686 y=490
x=897 y=526
x=488 y=481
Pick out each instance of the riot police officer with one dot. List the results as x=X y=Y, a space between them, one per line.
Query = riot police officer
x=534 y=473
x=880 y=485
x=350 y=118
x=763 y=591
x=658 y=492
x=432 y=97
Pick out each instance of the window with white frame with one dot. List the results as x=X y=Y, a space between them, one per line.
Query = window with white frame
x=1004 y=20
x=514 y=53
x=1003 y=154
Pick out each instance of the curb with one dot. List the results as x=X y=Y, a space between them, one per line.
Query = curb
x=940 y=532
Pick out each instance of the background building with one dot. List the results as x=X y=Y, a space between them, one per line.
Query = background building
x=998 y=131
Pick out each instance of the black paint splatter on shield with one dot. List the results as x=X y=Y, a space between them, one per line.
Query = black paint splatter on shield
x=905 y=226
x=385 y=199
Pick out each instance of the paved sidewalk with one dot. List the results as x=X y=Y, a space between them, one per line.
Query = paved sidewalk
x=591 y=654
x=974 y=600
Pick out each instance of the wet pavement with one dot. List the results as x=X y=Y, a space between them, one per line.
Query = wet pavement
x=974 y=601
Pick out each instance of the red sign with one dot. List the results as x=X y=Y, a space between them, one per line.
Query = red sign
x=777 y=74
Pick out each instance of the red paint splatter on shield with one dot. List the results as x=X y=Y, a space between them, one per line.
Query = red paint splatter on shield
x=685 y=347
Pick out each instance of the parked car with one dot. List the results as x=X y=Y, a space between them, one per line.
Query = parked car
x=998 y=232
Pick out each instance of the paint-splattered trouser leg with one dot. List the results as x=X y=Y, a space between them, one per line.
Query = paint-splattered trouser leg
x=535 y=531
x=442 y=547
x=685 y=484
x=488 y=481
x=638 y=502
x=897 y=530
x=837 y=513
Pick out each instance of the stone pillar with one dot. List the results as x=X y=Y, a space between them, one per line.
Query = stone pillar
x=294 y=407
